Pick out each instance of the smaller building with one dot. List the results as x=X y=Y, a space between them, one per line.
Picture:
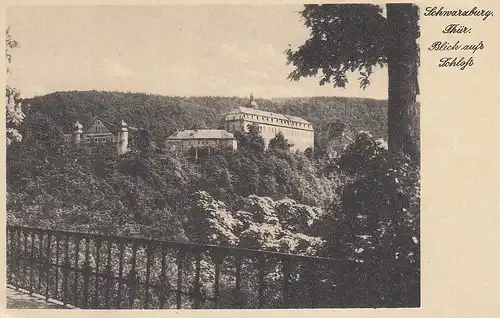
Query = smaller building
x=100 y=132
x=202 y=138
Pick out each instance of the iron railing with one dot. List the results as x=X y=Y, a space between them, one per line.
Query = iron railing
x=104 y=272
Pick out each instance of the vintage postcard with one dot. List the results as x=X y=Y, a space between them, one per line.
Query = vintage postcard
x=186 y=158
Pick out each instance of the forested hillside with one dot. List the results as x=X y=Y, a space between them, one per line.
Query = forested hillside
x=361 y=204
x=162 y=115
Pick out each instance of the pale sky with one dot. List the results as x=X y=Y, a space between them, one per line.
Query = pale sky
x=169 y=50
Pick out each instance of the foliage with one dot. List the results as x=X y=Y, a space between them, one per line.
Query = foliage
x=378 y=221
x=251 y=141
x=13 y=110
x=143 y=142
x=257 y=223
x=357 y=38
x=42 y=134
x=344 y=38
x=209 y=222
x=163 y=115
x=279 y=142
x=274 y=200
x=141 y=192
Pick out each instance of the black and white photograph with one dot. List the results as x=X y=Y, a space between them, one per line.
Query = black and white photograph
x=213 y=156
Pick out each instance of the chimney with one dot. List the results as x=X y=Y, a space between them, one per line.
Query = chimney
x=122 y=142
x=77 y=134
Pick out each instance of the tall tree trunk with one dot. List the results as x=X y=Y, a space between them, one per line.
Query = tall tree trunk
x=403 y=62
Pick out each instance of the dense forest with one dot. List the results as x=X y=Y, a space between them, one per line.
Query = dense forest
x=362 y=204
x=162 y=115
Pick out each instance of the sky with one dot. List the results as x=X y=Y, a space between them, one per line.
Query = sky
x=223 y=50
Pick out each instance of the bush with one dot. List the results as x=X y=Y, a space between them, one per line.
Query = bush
x=378 y=223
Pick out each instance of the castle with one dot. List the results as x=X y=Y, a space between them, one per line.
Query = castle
x=298 y=131
x=99 y=131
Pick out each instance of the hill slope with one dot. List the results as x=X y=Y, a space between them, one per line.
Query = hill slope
x=162 y=115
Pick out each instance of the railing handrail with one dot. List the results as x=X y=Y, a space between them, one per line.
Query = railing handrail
x=193 y=246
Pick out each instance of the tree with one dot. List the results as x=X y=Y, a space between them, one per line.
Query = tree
x=144 y=142
x=279 y=142
x=336 y=129
x=42 y=134
x=357 y=38
x=309 y=153
x=209 y=221
x=252 y=140
x=14 y=114
x=379 y=222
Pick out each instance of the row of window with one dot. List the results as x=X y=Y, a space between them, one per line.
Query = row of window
x=99 y=140
x=270 y=120
x=273 y=129
x=286 y=132
x=202 y=142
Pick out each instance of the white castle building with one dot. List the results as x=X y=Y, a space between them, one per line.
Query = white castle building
x=296 y=130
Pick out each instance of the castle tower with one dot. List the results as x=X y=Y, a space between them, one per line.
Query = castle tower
x=252 y=103
x=122 y=140
x=77 y=134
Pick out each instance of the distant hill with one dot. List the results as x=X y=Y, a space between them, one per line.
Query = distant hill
x=162 y=115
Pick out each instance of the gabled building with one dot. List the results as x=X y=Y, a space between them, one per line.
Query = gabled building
x=101 y=132
x=201 y=138
x=296 y=130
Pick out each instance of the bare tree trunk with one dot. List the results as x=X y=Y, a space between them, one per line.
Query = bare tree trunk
x=403 y=61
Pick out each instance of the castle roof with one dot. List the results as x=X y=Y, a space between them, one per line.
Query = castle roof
x=258 y=112
x=113 y=128
x=202 y=134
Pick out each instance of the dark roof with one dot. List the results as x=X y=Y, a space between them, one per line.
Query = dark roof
x=114 y=128
x=202 y=134
x=258 y=112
